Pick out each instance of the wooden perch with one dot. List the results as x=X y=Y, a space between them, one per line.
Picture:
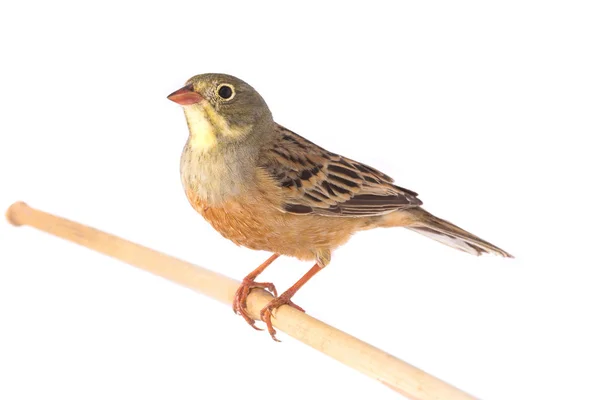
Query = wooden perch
x=402 y=377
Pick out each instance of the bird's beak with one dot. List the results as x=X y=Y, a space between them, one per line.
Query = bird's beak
x=185 y=96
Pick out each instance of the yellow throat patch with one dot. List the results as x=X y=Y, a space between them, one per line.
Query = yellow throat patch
x=204 y=124
x=202 y=132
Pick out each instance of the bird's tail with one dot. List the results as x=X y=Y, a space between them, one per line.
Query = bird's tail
x=420 y=221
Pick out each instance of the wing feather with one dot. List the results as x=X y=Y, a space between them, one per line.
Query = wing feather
x=316 y=181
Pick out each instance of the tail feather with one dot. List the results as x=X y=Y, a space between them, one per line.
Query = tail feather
x=451 y=235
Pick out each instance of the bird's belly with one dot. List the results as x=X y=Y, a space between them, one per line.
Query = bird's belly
x=252 y=224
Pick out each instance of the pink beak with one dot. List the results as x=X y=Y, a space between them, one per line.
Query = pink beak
x=185 y=96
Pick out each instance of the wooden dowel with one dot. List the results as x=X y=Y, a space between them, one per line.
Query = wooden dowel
x=402 y=377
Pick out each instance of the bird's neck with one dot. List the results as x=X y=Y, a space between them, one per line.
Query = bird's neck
x=219 y=161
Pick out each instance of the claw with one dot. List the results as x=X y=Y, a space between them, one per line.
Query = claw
x=267 y=313
x=241 y=295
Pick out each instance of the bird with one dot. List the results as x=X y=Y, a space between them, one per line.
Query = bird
x=264 y=187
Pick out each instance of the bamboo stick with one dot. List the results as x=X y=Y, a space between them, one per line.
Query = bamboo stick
x=400 y=376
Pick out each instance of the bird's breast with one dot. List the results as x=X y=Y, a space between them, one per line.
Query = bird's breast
x=215 y=177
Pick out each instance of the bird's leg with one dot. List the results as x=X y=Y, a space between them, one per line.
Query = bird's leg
x=248 y=283
x=267 y=312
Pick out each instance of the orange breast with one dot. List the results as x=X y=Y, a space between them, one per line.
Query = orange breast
x=254 y=223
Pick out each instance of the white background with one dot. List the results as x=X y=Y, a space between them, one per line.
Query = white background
x=488 y=111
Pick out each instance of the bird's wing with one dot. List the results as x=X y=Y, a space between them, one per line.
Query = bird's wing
x=316 y=181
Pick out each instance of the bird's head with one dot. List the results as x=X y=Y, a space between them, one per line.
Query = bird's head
x=221 y=109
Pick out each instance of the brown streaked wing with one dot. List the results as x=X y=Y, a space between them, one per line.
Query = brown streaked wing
x=316 y=181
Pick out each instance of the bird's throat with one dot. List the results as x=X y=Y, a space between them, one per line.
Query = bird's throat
x=203 y=135
x=205 y=125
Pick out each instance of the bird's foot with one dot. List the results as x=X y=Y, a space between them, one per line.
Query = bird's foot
x=267 y=312
x=241 y=295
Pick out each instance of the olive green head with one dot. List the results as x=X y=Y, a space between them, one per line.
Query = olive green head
x=221 y=108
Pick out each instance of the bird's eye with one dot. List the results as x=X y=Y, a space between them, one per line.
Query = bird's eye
x=225 y=91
